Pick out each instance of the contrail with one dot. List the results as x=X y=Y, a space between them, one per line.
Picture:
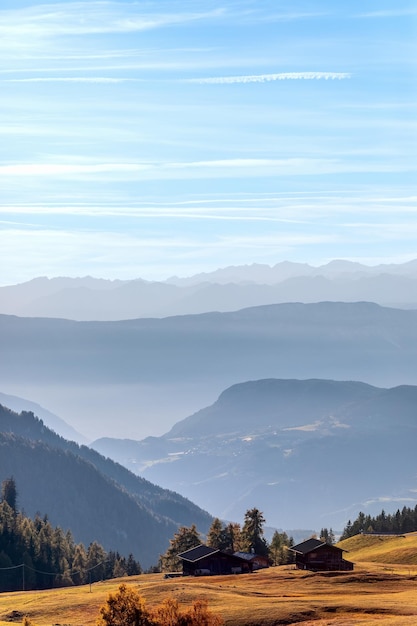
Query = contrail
x=264 y=78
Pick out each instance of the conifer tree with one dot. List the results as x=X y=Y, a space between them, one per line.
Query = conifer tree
x=327 y=536
x=133 y=567
x=233 y=540
x=184 y=539
x=218 y=537
x=79 y=565
x=252 y=532
x=9 y=493
x=278 y=548
x=96 y=557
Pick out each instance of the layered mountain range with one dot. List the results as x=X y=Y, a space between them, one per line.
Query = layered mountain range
x=226 y=289
x=299 y=442
x=306 y=452
x=138 y=377
x=94 y=497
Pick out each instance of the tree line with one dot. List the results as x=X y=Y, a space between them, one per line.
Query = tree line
x=230 y=538
x=404 y=521
x=36 y=555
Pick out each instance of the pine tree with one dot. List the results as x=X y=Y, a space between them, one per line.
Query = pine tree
x=214 y=536
x=133 y=567
x=327 y=536
x=9 y=493
x=79 y=565
x=96 y=557
x=233 y=538
x=184 y=539
x=278 y=548
x=252 y=532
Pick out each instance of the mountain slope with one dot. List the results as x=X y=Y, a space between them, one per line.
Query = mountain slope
x=50 y=420
x=306 y=452
x=138 y=377
x=95 y=497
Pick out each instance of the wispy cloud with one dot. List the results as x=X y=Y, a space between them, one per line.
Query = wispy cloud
x=85 y=18
x=390 y=13
x=216 y=168
x=387 y=499
x=265 y=78
x=72 y=79
x=289 y=17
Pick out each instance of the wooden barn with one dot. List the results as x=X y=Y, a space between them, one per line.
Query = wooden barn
x=205 y=561
x=255 y=561
x=318 y=556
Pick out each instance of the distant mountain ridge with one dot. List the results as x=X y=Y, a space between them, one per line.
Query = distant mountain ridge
x=128 y=376
x=50 y=420
x=270 y=275
x=226 y=289
x=306 y=452
x=94 y=497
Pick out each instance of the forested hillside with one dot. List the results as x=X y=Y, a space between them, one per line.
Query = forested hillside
x=94 y=497
x=35 y=555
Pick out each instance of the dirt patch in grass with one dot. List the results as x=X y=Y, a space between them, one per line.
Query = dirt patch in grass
x=13 y=616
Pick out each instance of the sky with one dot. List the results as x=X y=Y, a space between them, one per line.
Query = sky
x=160 y=138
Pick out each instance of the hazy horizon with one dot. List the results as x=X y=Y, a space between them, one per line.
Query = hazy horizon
x=215 y=269
x=158 y=139
x=172 y=138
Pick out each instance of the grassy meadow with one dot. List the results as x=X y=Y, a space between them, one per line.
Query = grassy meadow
x=380 y=591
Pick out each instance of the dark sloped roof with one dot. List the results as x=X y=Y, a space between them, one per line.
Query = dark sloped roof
x=195 y=554
x=312 y=544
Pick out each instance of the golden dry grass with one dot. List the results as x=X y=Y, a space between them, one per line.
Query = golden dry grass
x=382 y=549
x=275 y=596
x=379 y=593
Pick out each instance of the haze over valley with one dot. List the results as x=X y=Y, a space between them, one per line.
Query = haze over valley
x=136 y=378
x=208 y=263
x=301 y=398
x=312 y=450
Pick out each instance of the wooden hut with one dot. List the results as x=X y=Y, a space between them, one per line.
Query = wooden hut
x=319 y=556
x=205 y=561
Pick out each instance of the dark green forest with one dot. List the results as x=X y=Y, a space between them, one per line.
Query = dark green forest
x=36 y=555
x=404 y=521
x=98 y=499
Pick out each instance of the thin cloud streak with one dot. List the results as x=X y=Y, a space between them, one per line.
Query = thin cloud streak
x=75 y=79
x=289 y=17
x=265 y=78
x=54 y=20
x=352 y=211
x=220 y=168
x=389 y=13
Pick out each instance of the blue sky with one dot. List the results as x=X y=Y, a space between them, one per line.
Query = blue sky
x=146 y=139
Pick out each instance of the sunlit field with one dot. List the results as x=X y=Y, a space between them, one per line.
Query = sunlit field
x=373 y=594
